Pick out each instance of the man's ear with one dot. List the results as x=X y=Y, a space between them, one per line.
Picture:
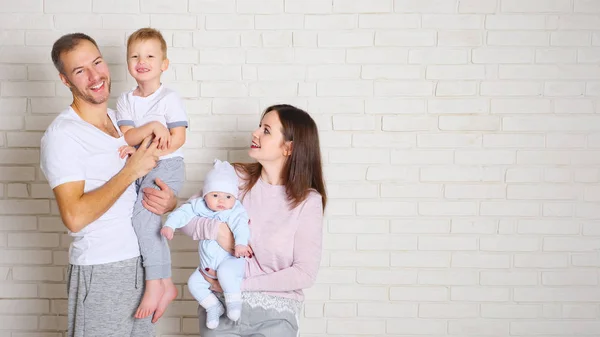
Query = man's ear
x=64 y=79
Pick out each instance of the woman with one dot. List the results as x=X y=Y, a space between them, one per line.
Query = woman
x=285 y=197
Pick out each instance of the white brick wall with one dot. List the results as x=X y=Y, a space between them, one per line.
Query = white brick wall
x=460 y=141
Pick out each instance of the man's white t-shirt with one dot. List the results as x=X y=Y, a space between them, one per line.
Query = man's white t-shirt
x=74 y=150
x=163 y=106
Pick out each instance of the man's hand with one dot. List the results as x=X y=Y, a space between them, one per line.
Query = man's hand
x=143 y=160
x=159 y=201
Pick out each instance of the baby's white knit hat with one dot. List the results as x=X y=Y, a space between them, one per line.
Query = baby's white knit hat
x=222 y=178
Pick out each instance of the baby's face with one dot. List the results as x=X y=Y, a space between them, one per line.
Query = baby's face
x=219 y=201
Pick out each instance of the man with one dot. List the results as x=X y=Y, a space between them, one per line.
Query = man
x=95 y=194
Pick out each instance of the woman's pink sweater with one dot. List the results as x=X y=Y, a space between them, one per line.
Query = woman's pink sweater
x=286 y=242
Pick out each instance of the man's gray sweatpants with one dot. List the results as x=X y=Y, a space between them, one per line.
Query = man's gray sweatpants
x=154 y=248
x=103 y=299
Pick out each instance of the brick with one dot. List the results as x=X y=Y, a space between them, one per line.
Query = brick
x=359 y=293
x=570 y=39
x=480 y=260
x=460 y=38
x=536 y=6
x=421 y=259
x=564 y=89
x=542 y=192
x=387 y=72
x=570 y=278
x=403 y=88
x=25 y=21
x=565 y=72
x=359 y=327
x=72 y=21
x=387 y=310
x=436 y=310
x=420 y=294
x=549 y=123
x=522 y=38
x=327 y=105
x=509 y=311
x=18 y=322
x=385 y=242
x=448 y=278
x=328 y=72
x=330 y=22
x=279 y=22
x=450 y=22
x=555 y=56
x=578 y=106
x=458 y=106
x=259 y=7
x=558 y=227
x=460 y=174
x=557 y=175
x=37 y=273
x=508 y=140
x=405 y=38
x=391 y=173
x=388 y=21
x=357 y=6
x=115 y=6
x=456 y=88
x=419 y=327
x=28 y=6
x=24 y=306
x=320 y=56
x=466 y=226
x=68 y=6
x=359 y=156
x=362 y=259
x=509 y=278
x=579 y=311
x=386 y=208
x=481 y=327
x=474 y=192
x=506 y=88
x=477 y=6
x=502 y=55
x=340 y=310
x=398 y=106
x=355 y=123
x=557 y=209
x=578 y=22
x=308 y=6
x=487 y=294
x=484 y=157
x=453 y=72
x=549 y=327
x=575 y=244
x=387 y=277
x=412 y=190
x=27 y=89
x=12 y=291
x=515 y=21
x=425 y=6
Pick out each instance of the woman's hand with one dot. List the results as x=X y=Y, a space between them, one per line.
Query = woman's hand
x=214 y=284
x=225 y=238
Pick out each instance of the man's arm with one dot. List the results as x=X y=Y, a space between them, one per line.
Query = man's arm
x=79 y=209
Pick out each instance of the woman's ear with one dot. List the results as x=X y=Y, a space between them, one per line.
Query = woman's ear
x=287 y=148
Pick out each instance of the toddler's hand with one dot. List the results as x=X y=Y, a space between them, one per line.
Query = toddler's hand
x=163 y=137
x=167 y=232
x=125 y=151
x=241 y=251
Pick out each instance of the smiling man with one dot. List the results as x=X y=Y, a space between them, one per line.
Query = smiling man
x=95 y=194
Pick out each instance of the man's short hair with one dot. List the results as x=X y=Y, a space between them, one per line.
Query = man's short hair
x=65 y=44
x=144 y=34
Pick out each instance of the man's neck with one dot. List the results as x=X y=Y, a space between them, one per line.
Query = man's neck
x=146 y=89
x=94 y=114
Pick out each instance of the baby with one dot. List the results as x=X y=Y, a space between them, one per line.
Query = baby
x=219 y=201
x=152 y=110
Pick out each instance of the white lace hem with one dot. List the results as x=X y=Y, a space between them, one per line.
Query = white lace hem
x=270 y=302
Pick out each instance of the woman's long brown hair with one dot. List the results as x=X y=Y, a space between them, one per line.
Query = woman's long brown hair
x=303 y=169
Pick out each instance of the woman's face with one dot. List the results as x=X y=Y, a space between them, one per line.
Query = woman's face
x=268 y=144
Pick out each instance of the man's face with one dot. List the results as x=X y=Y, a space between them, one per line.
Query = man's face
x=86 y=73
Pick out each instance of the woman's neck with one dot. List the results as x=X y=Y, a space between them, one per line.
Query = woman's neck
x=271 y=173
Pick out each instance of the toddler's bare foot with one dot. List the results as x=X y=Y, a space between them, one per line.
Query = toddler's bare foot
x=152 y=294
x=168 y=296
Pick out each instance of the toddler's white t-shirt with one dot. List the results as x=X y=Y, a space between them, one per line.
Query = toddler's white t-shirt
x=164 y=106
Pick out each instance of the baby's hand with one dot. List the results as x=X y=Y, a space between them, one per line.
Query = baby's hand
x=167 y=232
x=241 y=251
x=125 y=151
